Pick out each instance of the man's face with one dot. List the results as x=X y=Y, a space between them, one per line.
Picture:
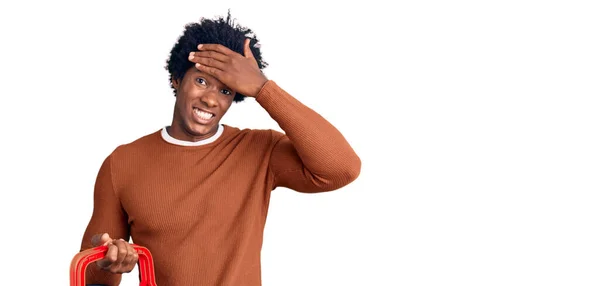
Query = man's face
x=201 y=101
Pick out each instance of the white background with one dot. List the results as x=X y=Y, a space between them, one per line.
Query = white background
x=477 y=123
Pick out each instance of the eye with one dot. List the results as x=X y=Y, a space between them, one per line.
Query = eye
x=226 y=91
x=201 y=81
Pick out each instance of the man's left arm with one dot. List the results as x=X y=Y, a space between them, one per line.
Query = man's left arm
x=312 y=156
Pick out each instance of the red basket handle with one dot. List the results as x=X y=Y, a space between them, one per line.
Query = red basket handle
x=81 y=261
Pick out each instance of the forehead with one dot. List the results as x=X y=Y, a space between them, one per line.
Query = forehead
x=193 y=71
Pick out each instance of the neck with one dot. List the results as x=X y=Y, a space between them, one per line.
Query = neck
x=182 y=133
x=167 y=135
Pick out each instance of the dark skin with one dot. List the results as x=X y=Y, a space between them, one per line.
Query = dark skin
x=207 y=89
x=210 y=87
x=120 y=257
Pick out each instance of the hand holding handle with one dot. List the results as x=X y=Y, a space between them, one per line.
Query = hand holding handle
x=81 y=261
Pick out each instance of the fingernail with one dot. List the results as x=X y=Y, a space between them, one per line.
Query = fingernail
x=121 y=239
x=197 y=65
x=191 y=57
x=199 y=46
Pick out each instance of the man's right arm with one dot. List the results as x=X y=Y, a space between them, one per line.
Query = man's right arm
x=108 y=217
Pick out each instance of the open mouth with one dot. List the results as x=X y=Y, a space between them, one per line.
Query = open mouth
x=202 y=116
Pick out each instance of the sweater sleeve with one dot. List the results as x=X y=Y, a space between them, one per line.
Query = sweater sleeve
x=107 y=217
x=312 y=156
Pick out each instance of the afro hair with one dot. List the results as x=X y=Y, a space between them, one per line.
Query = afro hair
x=220 y=30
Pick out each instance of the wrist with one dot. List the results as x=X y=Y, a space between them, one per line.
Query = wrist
x=258 y=88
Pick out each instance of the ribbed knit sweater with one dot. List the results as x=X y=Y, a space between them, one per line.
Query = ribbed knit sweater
x=201 y=210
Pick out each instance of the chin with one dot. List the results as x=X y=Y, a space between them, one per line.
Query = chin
x=196 y=129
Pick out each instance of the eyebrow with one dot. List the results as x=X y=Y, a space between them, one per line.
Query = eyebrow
x=197 y=71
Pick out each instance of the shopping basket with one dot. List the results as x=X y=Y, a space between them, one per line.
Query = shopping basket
x=81 y=261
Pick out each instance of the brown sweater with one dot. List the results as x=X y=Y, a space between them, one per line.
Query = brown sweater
x=201 y=210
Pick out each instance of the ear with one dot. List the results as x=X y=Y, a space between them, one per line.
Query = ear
x=175 y=82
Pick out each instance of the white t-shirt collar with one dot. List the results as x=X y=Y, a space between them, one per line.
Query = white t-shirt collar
x=165 y=135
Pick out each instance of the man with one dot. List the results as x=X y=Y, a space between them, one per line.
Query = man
x=196 y=193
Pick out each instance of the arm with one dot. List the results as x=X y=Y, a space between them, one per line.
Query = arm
x=108 y=217
x=313 y=156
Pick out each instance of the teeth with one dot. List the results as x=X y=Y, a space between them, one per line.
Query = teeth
x=202 y=114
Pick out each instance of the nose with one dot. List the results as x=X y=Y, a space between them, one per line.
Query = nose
x=209 y=98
